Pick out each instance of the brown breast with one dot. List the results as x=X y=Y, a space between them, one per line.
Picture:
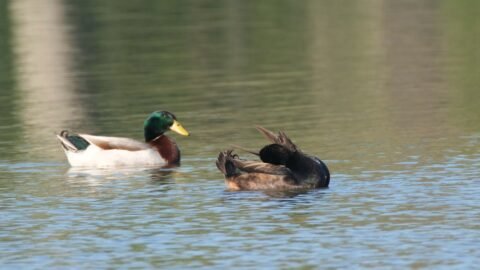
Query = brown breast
x=167 y=148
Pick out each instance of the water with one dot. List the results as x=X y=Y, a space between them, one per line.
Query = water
x=386 y=92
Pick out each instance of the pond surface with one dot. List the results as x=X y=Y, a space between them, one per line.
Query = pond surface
x=385 y=92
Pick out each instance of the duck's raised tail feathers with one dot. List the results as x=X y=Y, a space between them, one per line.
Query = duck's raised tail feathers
x=245 y=149
x=72 y=142
x=281 y=139
x=225 y=164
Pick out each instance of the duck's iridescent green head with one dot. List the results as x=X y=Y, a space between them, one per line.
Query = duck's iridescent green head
x=159 y=122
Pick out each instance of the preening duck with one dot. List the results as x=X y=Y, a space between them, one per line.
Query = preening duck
x=282 y=166
x=101 y=151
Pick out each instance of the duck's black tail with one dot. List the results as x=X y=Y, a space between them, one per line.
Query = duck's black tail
x=324 y=174
x=225 y=164
x=72 y=142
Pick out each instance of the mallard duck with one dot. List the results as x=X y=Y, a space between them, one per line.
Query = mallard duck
x=102 y=151
x=282 y=166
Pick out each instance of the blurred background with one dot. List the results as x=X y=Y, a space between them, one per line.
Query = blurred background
x=341 y=73
x=386 y=92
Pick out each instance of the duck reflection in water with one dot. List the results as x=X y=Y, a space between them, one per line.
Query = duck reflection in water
x=98 y=177
x=163 y=176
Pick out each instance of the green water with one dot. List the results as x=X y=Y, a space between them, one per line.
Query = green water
x=385 y=92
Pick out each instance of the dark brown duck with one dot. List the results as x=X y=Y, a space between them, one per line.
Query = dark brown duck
x=282 y=166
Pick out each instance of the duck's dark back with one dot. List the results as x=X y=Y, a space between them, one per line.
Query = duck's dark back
x=308 y=169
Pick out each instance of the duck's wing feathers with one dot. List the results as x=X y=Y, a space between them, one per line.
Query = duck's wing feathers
x=79 y=142
x=260 y=167
x=268 y=134
x=72 y=143
x=108 y=143
x=281 y=138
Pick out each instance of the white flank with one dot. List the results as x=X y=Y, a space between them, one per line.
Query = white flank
x=131 y=153
x=94 y=156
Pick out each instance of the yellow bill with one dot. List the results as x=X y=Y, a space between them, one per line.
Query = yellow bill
x=177 y=127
